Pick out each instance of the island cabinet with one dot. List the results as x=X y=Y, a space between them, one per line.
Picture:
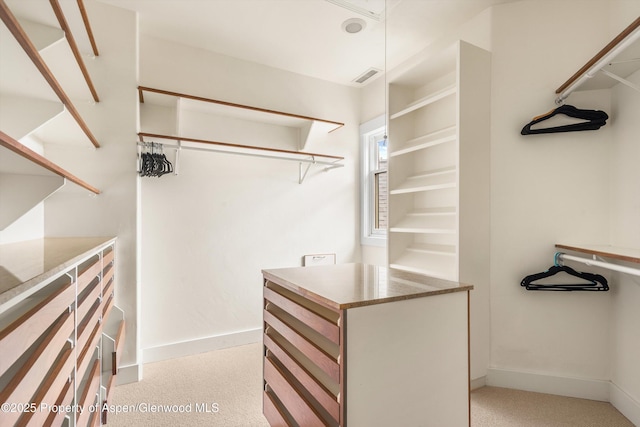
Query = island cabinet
x=360 y=345
x=61 y=334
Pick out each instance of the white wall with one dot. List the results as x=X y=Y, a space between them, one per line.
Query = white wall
x=558 y=188
x=208 y=232
x=111 y=168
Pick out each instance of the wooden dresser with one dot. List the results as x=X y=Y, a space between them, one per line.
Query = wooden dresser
x=61 y=335
x=359 y=345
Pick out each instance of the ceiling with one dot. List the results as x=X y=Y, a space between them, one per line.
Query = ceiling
x=306 y=36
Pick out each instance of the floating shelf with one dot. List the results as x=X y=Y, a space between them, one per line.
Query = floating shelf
x=18 y=32
x=308 y=125
x=612 y=65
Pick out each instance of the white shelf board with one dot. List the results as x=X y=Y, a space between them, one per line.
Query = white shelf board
x=423 y=102
x=428 y=181
x=435 y=138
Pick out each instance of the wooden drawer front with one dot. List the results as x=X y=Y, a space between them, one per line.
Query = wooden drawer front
x=27 y=380
x=65 y=398
x=108 y=257
x=317 y=391
x=16 y=338
x=272 y=411
x=50 y=391
x=89 y=395
x=296 y=405
x=326 y=362
x=87 y=299
x=85 y=354
x=85 y=329
x=117 y=355
x=316 y=322
x=89 y=273
x=107 y=276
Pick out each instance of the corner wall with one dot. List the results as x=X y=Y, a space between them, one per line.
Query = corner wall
x=571 y=188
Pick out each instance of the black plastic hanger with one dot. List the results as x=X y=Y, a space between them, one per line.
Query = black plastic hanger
x=591 y=281
x=595 y=119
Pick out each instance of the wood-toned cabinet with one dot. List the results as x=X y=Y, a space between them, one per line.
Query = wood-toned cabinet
x=60 y=332
x=359 y=345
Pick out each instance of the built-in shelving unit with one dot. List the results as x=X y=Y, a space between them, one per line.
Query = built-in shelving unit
x=36 y=90
x=439 y=163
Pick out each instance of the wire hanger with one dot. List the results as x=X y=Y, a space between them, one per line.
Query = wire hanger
x=595 y=119
x=590 y=281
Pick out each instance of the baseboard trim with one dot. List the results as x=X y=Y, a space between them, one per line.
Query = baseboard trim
x=627 y=405
x=541 y=383
x=129 y=374
x=477 y=383
x=201 y=345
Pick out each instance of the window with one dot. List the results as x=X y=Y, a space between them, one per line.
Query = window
x=374 y=199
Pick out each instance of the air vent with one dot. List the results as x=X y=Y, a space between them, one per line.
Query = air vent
x=367 y=75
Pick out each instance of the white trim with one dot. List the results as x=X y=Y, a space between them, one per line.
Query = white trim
x=129 y=374
x=201 y=345
x=564 y=386
x=366 y=193
x=477 y=383
x=627 y=405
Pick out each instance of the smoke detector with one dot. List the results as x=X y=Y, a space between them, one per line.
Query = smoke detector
x=353 y=25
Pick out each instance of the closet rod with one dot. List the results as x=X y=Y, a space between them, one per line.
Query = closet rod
x=62 y=20
x=596 y=263
x=627 y=37
x=142 y=89
x=23 y=40
x=306 y=157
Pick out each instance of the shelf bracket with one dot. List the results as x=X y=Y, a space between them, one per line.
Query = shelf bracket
x=621 y=80
x=302 y=176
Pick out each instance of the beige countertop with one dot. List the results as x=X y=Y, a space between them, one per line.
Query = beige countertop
x=344 y=286
x=24 y=265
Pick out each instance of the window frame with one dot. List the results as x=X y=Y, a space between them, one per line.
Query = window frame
x=369 y=235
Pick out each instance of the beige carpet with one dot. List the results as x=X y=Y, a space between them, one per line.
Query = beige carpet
x=222 y=388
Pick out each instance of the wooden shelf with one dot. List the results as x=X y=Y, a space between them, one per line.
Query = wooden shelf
x=18 y=32
x=624 y=48
x=606 y=251
x=11 y=144
x=307 y=125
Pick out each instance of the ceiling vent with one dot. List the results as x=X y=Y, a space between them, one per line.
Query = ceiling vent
x=367 y=75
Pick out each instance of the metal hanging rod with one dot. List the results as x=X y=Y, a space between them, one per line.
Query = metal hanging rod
x=594 y=262
x=625 y=39
x=329 y=161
